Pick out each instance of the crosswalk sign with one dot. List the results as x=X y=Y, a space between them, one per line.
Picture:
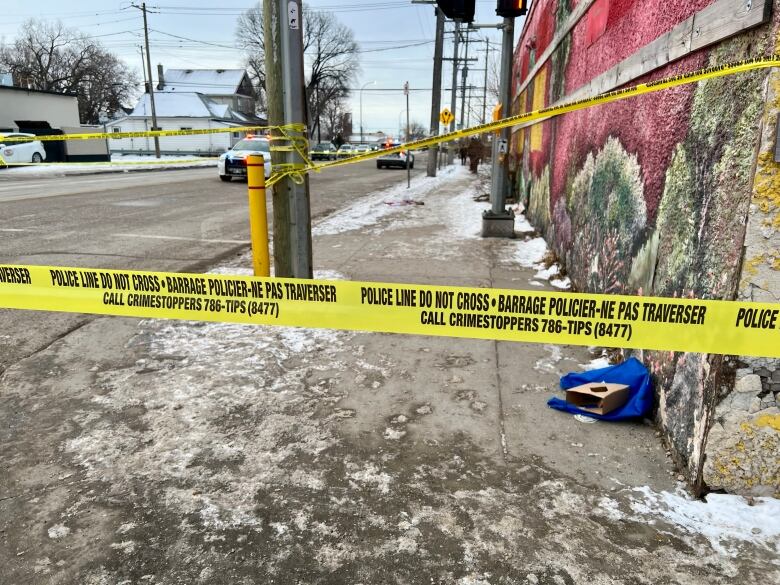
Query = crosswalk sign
x=446 y=116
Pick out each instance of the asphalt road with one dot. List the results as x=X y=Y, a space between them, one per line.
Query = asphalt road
x=182 y=220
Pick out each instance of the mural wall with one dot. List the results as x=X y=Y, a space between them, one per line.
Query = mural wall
x=652 y=195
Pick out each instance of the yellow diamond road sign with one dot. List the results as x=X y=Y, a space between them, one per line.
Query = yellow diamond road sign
x=446 y=116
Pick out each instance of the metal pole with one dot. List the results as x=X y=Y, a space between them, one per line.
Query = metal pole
x=258 y=214
x=453 y=96
x=319 y=113
x=151 y=84
x=291 y=14
x=464 y=75
x=498 y=192
x=484 y=88
x=408 y=151
x=433 y=152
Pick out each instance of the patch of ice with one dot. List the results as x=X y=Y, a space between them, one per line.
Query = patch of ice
x=596 y=363
x=563 y=284
x=127 y=546
x=528 y=253
x=547 y=364
x=522 y=224
x=723 y=519
x=371 y=475
x=58 y=531
x=548 y=273
x=394 y=434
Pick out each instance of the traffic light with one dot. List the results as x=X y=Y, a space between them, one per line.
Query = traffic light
x=462 y=10
x=512 y=8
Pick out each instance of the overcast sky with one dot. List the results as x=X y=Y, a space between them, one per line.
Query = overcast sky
x=379 y=25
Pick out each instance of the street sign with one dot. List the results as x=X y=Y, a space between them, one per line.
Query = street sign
x=446 y=116
x=293 y=16
x=406 y=88
x=502 y=146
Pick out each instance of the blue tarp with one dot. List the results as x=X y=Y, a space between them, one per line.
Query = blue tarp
x=631 y=373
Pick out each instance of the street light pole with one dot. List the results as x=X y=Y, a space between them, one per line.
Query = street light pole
x=361 y=108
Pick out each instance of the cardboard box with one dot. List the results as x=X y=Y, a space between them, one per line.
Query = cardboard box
x=598 y=397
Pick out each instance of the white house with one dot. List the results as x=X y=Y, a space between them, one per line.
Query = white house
x=190 y=100
x=231 y=87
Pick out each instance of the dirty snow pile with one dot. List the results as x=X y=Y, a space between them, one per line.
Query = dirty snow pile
x=119 y=163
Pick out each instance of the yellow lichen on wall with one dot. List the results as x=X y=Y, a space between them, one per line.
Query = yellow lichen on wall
x=766 y=190
x=540 y=91
x=743 y=458
x=769 y=420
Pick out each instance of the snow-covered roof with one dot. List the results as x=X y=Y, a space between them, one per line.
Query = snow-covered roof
x=180 y=105
x=208 y=81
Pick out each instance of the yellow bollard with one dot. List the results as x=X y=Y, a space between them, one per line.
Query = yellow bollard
x=258 y=215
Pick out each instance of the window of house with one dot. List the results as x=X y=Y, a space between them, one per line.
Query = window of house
x=185 y=128
x=116 y=129
x=236 y=134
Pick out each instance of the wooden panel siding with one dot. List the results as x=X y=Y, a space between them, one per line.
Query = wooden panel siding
x=578 y=12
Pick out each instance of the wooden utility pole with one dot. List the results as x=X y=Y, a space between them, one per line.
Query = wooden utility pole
x=142 y=8
x=438 y=51
x=275 y=106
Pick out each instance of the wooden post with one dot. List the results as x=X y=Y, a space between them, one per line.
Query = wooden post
x=283 y=265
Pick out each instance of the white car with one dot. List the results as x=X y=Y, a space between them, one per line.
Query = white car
x=29 y=151
x=233 y=162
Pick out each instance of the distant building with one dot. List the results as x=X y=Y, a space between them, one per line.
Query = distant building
x=49 y=112
x=191 y=100
x=368 y=138
x=19 y=105
x=231 y=87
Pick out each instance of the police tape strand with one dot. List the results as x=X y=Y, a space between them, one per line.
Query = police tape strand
x=299 y=142
x=295 y=133
x=668 y=324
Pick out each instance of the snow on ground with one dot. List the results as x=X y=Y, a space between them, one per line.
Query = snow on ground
x=368 y=210
x=530 y=252
x=596 y=363
x=725 y=520
x=123 y=163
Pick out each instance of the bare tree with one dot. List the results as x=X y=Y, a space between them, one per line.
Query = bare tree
x=51 y=57
x=416 y=131
x=250 y=37
x=330 y=54
x=335 y=121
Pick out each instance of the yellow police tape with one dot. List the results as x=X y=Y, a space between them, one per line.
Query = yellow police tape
x=721 y=327
x=295 y=133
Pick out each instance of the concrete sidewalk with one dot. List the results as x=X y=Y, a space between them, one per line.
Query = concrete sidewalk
x=208 y=453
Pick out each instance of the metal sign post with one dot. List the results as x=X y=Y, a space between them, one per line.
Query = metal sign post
x=295 y=113
x=499 y=222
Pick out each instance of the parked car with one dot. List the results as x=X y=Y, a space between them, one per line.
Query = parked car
x=396 y=159
x=345 y=150
x=233 y=162
x=323 y=151
x=30 y=151
x=362 y=149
